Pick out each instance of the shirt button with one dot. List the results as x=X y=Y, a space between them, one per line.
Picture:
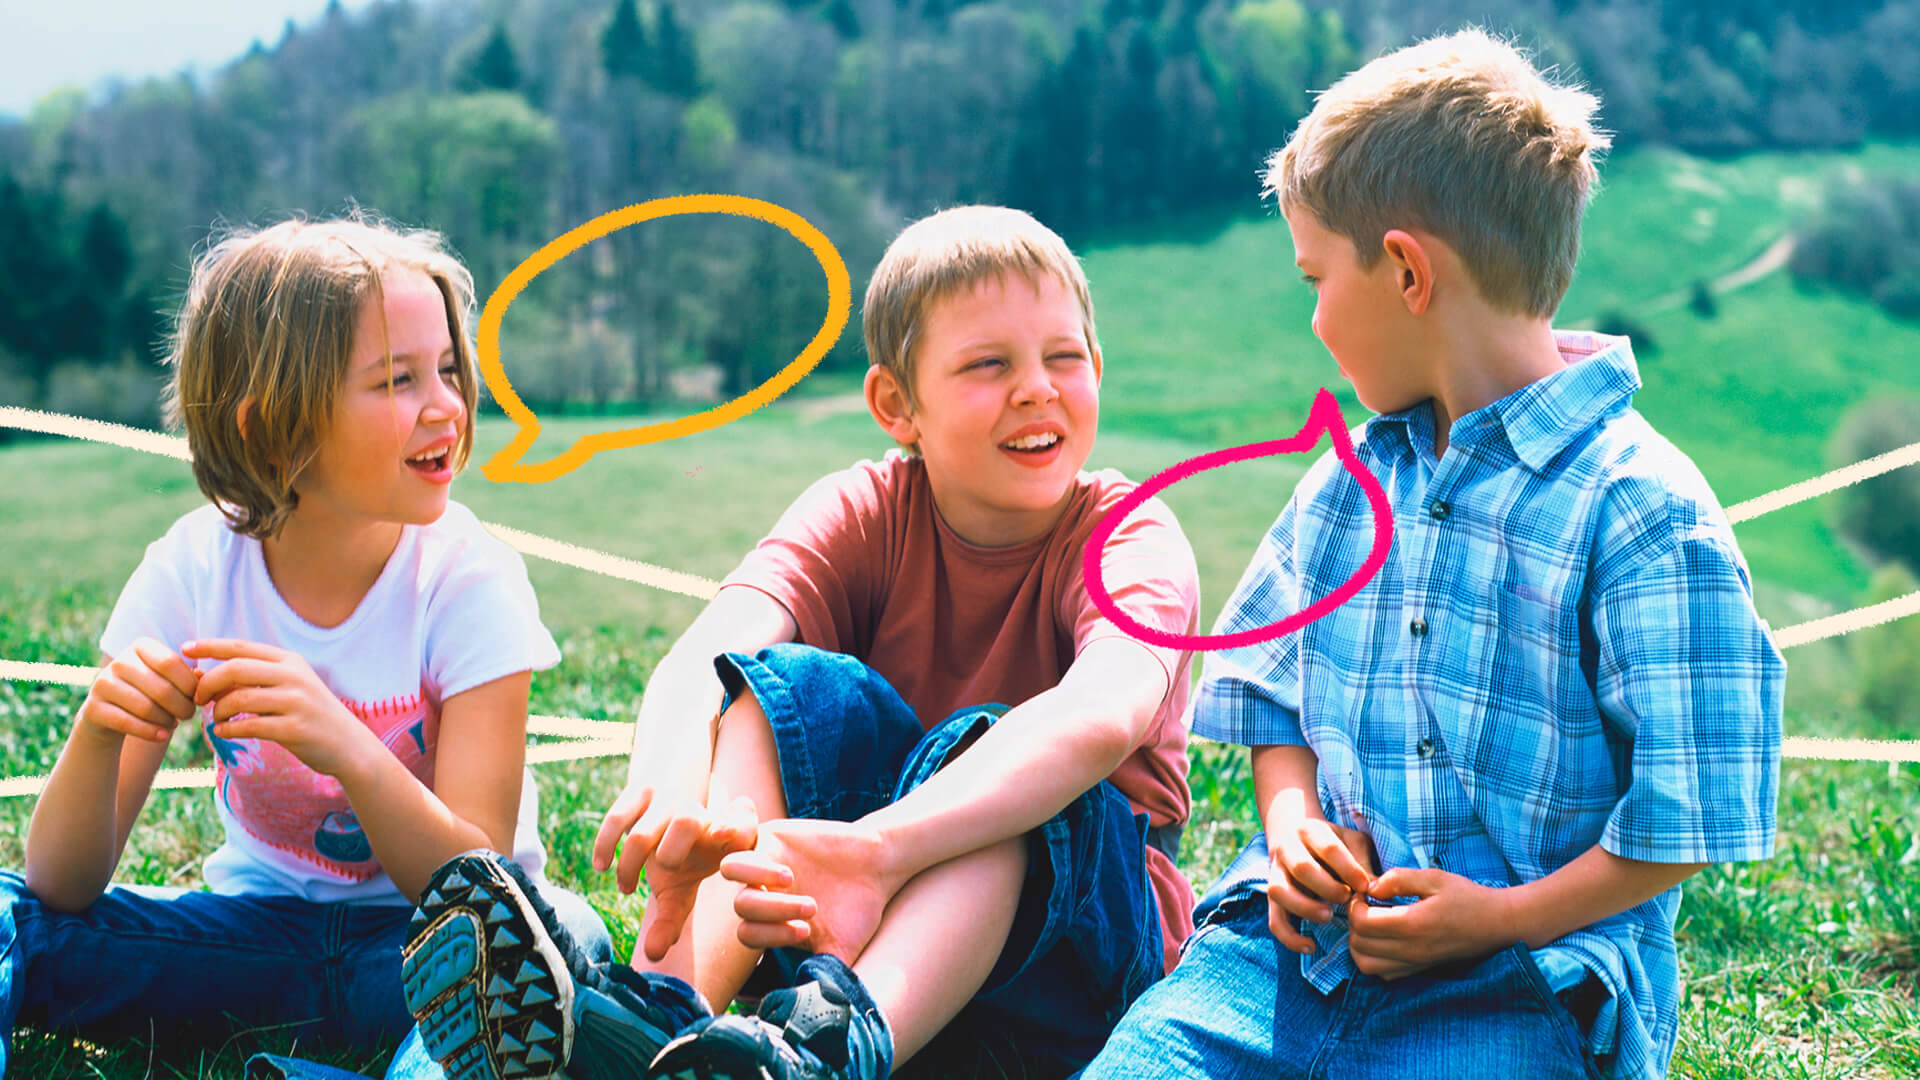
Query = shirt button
x=1440 y=509
x=1425 y=749
x=1418 y=628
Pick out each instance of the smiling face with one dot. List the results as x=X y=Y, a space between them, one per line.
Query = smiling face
x=1006 y=405
x=387 y=452
x=1358 y=314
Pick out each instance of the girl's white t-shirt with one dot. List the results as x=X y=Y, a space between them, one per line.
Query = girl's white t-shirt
x=451 y=610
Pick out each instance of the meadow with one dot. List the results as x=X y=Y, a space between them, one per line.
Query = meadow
x=1802 y=966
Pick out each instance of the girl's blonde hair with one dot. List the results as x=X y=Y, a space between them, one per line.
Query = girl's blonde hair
x=1461 y=136
x=262 y=343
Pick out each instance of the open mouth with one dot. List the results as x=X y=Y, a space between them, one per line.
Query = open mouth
x=1032 y=444
x=434 y=462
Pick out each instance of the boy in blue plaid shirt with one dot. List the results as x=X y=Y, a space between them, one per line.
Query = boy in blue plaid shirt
x=1483 y=778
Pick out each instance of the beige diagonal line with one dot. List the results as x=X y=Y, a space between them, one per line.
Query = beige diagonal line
x=1847 y=622
x=604 y=738
x=599 y=562
x=154 y=442
x=79 y=427
x=1821 y=485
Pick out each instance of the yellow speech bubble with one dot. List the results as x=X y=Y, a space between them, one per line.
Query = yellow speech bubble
x=505 y=466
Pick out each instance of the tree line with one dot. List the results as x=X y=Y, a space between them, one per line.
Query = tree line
x=503 y=124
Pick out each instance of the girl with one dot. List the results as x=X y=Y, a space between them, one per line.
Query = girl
x=360 y=647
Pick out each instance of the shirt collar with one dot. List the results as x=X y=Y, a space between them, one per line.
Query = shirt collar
x=1545 y=416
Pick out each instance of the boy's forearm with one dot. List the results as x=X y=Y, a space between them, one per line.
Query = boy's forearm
x=679 y=714
x=1283 y=777
x=1594 y=886
x=1026 y=768
x=674 y=730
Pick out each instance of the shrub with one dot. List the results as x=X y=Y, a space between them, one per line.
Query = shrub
x=1882 y=514
x=1889 y=657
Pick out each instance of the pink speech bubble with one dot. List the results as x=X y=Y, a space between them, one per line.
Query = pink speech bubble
x=1324 y=416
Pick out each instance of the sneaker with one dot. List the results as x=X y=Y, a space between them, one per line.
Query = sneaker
x=502 y=992
x=827 y=1028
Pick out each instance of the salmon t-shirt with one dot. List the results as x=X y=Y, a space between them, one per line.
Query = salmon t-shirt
x=868 y=568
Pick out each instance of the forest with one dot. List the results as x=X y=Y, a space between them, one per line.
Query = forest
x=1097 y=115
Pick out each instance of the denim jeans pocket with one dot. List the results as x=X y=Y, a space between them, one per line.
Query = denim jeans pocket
x=1533 y=981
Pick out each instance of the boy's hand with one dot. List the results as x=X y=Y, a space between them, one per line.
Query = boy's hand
x=144 y=692
x=688 y=850
x=286 y=702
x=1455 y=919
x=821 y=885
x=1317 y=866
x=653 y=829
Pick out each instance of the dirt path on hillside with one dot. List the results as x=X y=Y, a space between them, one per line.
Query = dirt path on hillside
x=1763 y=264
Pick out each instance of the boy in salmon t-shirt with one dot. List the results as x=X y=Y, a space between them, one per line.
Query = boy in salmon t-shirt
x=970 y=784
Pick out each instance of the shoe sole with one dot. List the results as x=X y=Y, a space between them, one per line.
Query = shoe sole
x=490 y=991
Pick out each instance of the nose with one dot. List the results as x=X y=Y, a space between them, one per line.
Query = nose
x=1035 y=384
x=444 y=402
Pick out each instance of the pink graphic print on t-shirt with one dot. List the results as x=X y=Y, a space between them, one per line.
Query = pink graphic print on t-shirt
x=293 y=809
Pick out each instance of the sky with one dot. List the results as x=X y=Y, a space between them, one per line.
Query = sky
x=47 y=44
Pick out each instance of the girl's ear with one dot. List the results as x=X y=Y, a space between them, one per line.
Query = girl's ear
x=887 y=401
x=241 y=415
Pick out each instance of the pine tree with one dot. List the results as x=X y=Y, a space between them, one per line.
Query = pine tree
x=676 y=70
x=493 y=67
x=843 y=18
x=623 y=44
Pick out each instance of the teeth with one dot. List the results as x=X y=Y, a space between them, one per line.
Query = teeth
x=422 y=459
x=1032 y=442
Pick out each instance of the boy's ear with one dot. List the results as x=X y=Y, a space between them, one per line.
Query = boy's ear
x=1412 y=267
x=1096 y=363
x=887 y=401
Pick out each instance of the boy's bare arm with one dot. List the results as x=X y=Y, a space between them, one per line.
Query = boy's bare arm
x=1457 y=918
x=1315 y=863
x=673 y=737
x=1038 y=758
x=823 y=884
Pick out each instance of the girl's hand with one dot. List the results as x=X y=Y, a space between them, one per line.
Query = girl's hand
x=144 y=692
x=285 y=703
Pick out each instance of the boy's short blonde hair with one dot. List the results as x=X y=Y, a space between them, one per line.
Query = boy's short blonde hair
x=945 y=253
x=1462 y=137
x=268 y=326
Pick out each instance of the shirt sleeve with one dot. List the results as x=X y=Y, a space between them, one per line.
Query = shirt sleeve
x=157 y=601
x=1148 y=569
x=484 y=620
x=820 y=559
x=1251 y=695
x=1688 y=673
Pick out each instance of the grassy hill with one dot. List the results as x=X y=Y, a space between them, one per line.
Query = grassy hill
x=1208 y=338
x=1802 y=966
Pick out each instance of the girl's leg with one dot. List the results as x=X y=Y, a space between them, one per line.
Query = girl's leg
x=145 y=961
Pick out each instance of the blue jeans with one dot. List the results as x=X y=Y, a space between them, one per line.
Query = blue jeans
x=1237 y=1006
x=1086 y=933
x=144 y=961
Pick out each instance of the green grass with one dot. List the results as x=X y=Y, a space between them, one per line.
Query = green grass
x=1804 y=966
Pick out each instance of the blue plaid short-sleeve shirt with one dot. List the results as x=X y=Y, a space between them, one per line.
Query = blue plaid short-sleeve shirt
x=1561 y=651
